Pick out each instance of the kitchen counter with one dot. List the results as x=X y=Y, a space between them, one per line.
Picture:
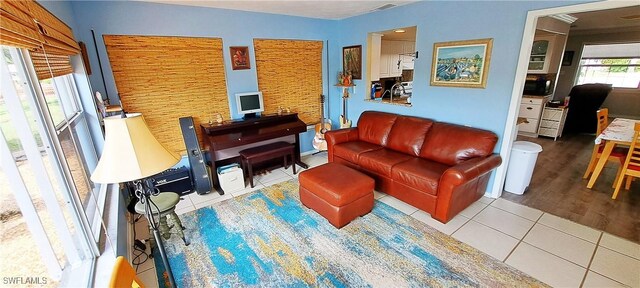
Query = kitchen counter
x=396 y=101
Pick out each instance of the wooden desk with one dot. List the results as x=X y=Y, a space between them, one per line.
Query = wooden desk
x=619 y=132
x=233 y=134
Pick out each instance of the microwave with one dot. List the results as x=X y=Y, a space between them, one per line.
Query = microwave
x=537 y=85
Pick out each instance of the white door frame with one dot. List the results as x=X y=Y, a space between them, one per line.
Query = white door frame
x=510 y=129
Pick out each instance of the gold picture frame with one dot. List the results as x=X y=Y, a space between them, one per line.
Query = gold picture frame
x=461 y=63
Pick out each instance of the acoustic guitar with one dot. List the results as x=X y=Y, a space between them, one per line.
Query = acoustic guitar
x=319 y=143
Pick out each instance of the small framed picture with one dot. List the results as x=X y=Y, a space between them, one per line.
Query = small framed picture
x=240 y=57
x=352 y=61
x=461 y=63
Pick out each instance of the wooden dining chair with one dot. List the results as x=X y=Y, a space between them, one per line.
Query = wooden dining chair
x=617 y=155
x=631 y=166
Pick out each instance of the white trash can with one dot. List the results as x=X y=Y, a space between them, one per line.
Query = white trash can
x=231 y=178
x=523 y=159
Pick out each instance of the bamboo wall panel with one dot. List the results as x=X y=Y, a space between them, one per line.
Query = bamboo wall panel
x=166 y=78
x=290 y=75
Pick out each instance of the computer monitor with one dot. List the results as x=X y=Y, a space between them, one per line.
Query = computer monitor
x=249 y=103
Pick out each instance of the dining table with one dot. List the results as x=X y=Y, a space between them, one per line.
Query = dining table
x=619 y=132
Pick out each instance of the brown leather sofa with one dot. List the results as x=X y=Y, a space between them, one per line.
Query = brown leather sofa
x=438 y=167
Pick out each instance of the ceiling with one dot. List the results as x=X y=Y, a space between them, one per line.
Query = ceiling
x=409 y=34
x=329 y=9
x=607 y=20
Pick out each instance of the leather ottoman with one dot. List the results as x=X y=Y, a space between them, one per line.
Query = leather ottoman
x=336 y=192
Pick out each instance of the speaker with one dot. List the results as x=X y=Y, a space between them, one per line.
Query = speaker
x=174 y=180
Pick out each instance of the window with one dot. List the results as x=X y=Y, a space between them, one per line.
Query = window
x=616 y=64
x=46 y=158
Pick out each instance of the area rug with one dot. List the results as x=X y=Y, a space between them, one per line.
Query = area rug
x=268 y=238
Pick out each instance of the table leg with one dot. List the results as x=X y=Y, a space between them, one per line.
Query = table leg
x=608 y=147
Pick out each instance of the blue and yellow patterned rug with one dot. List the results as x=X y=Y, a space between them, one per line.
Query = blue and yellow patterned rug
x=268 y=238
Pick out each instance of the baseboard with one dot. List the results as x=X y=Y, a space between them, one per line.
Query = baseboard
x=308 y=152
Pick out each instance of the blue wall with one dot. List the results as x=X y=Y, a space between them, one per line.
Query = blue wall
x=236 y=28
x=436 y=21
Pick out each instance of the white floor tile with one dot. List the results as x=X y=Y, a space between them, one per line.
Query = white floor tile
x=569 y=247
x=569 y=227
x=486 y=200
x=595 y=280
x=142 y=229
x=226 y=196
x=520 y=210
x=505 y=222
x=451 y=226
x=270 y=176
x=473 y=209
x=398 y=204
x=545 y=266
x=149 y=278
x=185 y=202
x=486 y=239
x=616 y=266
x=620 y=245
x=197 y=198
x=378 y=195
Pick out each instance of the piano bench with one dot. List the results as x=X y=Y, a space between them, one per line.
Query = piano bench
x=267 y=152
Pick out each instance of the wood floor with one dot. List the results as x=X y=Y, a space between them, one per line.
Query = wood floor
x=557 y=187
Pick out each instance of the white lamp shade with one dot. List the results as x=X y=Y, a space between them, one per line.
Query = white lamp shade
x=130 y=151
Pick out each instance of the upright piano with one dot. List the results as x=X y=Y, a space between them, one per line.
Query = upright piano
x=224 y=140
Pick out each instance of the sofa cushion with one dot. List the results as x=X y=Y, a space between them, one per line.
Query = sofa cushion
x=374 y=126
x=452 y=144
x=351 y=150
x=381 y=161
x=407 y=134
x=420 y=174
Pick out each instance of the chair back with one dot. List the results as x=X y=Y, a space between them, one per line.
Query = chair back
x=603 y=120
x=633 y=158
x=124 y=275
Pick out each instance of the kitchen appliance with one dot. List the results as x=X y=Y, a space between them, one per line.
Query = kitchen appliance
x=537 y=85
x=376 y=90
x=408 y=88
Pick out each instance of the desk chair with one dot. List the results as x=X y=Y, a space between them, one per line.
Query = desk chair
x=617 y=155
x=631 y=166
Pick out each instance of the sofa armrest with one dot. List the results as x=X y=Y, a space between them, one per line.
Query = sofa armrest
x=335 y=137
x=463 y=184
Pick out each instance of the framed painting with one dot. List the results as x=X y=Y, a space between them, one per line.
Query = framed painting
x=240 y=57
x=352 y=61
x=461 y=63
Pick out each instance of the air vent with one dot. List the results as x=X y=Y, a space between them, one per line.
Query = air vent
x=385 y=7
x=631 y=17
x=565 y=18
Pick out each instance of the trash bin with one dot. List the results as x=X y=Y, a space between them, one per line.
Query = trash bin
x=523 y=159
x=231 y=177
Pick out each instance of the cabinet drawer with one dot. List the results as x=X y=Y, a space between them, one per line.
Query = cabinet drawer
x=531 y=127
x=548 y=132
x=549 y=124
x=552 y=114
x=527 y=100
x=529 y=111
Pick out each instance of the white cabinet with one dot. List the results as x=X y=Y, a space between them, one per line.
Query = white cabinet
x=531 y=109
x=552 y=122
x=389 y=55
x=546 y=54
x=376 y=43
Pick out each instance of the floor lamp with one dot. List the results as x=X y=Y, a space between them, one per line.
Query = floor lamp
x=132 y=153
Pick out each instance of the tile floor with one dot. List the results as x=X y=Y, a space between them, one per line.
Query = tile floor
x=556 y=251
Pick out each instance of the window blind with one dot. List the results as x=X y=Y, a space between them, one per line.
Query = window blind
x=166 y=78
x=290 y=76
x=26 y=24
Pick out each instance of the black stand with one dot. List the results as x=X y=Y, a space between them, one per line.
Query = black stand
x=144 y=191
x=250 y=116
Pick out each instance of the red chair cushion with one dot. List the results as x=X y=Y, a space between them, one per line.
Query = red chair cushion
x=616 y=152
